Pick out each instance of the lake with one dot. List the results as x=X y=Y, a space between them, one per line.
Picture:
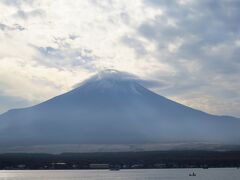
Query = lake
x=143 y=174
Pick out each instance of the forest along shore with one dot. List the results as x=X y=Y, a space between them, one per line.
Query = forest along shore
x=121 y=160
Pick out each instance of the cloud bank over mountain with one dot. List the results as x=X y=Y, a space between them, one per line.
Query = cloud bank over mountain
x=188 y=49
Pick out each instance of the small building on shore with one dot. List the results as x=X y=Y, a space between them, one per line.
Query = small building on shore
x=99 y=166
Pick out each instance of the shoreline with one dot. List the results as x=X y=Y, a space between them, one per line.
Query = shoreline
x=121 y=160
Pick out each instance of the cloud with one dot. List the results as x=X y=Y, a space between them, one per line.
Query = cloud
x=197 y=38
x=185 y=50
x=153 y=83
x=65 y=57
x=17 y=2
x=29 y=14
x=14 y=27
x=14 y=102
x=136 y=44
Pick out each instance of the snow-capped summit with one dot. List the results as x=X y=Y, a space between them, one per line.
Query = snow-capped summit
x=112 y=80
x=112 y=75
x=113 y=108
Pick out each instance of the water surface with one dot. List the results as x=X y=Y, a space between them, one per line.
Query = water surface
x=146 y=174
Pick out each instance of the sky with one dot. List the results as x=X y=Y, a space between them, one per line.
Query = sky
x=189 y=50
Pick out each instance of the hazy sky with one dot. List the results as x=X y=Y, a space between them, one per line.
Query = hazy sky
x=190 y=49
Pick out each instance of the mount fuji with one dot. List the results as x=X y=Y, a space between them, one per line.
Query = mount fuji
x=113 y=108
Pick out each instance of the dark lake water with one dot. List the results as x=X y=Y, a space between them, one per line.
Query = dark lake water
x=149 y=174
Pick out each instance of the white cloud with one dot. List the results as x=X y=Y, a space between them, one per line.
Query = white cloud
x=48 y=46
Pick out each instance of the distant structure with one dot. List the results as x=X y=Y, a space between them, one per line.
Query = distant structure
x=99 y=166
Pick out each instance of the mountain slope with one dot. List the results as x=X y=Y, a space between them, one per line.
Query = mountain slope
x=112 y=108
